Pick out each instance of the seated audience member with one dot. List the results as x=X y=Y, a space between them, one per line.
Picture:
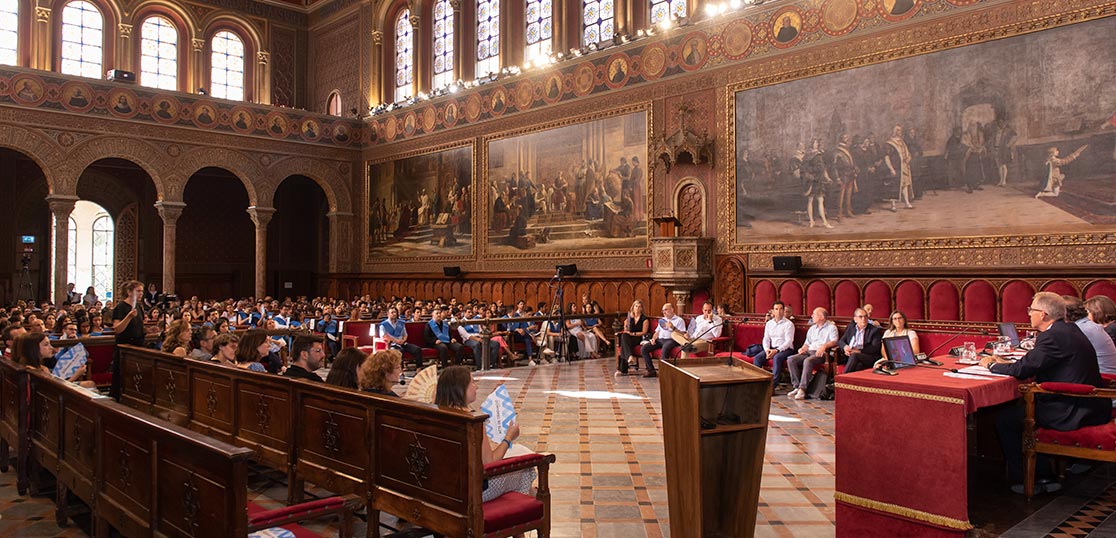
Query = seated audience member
x=201 y=343
x=471 y=336
x=72 y=295
x=85 y=328
x=1102 y=343
x=394 y=331
x=636 y=327
x=436 y=333
x=703 y=329
x=224 y=349
x=821 y=336
x=869 y=308
x=723 y=310
x=861 y=343
x=521 y=331
x=34 y=350
x=329 y=328
x=663 y=338
x=381 y=371
x=343 y=371
x=595 y=325
x=586 y=340
x=1061 y=354
x=307 y=353
x=69 y=331
x=899 y=328
x=457 y=390
x=778 y=342
x=178 y=338
x=1103 y=312
x=253 y=348
x=551 y=339
x=222 y=326
x=90 y=297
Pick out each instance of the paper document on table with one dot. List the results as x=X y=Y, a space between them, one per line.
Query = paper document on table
x=980 y=370
x=965 y=376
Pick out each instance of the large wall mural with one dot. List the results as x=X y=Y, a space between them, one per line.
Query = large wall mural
x=421 y=206
x=576 y=187
x=1014 y=136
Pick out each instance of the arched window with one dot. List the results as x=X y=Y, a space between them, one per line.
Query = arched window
x=103 y=252
x=333 y=104
x=488 y=37
x=82 y=40
x=226 y=72
x=404 y=55
x=598 y=18
x=443 y=44
x=159 y=54
x=72 y=250
x=9 y=32
x=664 y=10
x=539 y=29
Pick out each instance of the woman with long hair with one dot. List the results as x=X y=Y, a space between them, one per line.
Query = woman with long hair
x=595 y=324
x=899 y=328
x=636 y=326
x=34 y=351
x=252 y=348
x=586 y=340
x=343 y=371
x=380 y=372
x=457 y=390
x=177 y=340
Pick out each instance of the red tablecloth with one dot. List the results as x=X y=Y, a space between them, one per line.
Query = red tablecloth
x=902 y=460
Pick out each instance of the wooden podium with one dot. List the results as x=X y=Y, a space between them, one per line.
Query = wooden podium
x=714 y=433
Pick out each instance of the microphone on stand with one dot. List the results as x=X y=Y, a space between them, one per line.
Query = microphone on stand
x=881 y=367
x=963 y=331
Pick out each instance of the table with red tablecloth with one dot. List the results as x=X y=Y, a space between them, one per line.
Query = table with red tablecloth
x=902 y=452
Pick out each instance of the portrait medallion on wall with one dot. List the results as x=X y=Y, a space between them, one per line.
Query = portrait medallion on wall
x=391 y=128
x=898 y=10
x=786 y=29
x=242 y=120
x=736 y=39
x=524 y=95
x=585 y=77
x=77 y=97
x=653 y=60
x=616 y=71
x=999 y=148
x=342 y=133
x=122 y=103
x=498 y=101
x=838 y=16
x=165 y=109
x=451 y=114
x=473 y=107
x=692 y=53
x=421 y=206
x=569 y=188
x=429 y=118
x=204 y=114
x=278 y=126
x=552 y=88
x=27 y=90
x=311 y=130
x=409 y=123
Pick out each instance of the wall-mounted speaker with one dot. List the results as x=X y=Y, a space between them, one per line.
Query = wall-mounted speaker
x=787 y=263
x=120 y=75
x=565 y=270
x=454 y=271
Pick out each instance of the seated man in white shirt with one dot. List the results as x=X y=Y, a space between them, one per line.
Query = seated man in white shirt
x=778 y=342
x=663 y=338
x=821 y=336
x=703 y=329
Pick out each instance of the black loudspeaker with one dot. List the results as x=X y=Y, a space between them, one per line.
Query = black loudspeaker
x=787 y=263
x=565 y=270
x=119 y=75
x=454 y=271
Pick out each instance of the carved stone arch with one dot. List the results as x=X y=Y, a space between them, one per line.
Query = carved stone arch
x=689 y=205
x=327 y=177
x=235 y=162
x=43 y=152
x=133 y=150
x=109 y=10
x=219 y=20
x=180 y=16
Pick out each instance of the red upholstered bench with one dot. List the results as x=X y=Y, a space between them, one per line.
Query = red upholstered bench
x=100 y=349
x=513 y=512
x=415 y=335
x=357 y=332
x=743 y=335
x=1090 y=442
x=287 y=517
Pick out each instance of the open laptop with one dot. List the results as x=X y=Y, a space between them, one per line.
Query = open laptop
x=1008 y=330
x=899 y=351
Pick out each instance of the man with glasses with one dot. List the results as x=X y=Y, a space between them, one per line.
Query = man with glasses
x=203 y=343
x=1063 y=354
x=861 y=342
x=663 y=338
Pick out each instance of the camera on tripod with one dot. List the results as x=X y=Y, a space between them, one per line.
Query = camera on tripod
x=25 y=261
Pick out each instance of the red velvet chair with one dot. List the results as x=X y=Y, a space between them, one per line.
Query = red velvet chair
x=1101 y=287
x=287 y=516
x=846 y=297
x=515 y=513
x=1061 y=287
x=1091 y=442
x=878 y=294
x=764 y=295
x=817 y=294
x=979 y=301
x=790 y=292
x=944 y=300
x=910 y=299
x=1015 y=297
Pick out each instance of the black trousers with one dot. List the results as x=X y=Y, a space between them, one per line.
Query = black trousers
x=408 y=348
x=860 y=361
x=1009 y=427
x=667 y=345
x=444 y=351
x=628 y=343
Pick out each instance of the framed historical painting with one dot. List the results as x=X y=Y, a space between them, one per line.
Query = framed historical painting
x=420 y=206
x=1002 y=139
x=579 y=185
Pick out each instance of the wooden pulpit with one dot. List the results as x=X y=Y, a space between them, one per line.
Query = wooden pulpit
x=714 y=433
x=668 y=225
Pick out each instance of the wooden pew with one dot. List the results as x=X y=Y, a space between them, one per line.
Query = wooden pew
x=13 y=419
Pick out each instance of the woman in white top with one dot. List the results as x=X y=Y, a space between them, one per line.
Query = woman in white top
x=586 y=340
x=899 y=328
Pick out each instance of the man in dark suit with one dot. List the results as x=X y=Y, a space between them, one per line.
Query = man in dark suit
x=861 y=342
x=1062 y=353
x=436 y=334
x=307 y=353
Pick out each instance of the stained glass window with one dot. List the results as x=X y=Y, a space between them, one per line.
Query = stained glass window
x=598 y=20
x=227 y=67
x=539 y=29
x=404 y=55
x=82 y=40
x=663 y=10
x=9 y=32
x=159 y=54
x=102 y=252
x=488 y=37
x=443 y=44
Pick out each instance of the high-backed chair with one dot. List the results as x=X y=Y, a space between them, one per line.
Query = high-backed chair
x=1091 y=442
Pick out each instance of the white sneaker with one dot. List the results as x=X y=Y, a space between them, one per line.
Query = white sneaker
x=793 y=393
x=531 y=362
x=801 y=395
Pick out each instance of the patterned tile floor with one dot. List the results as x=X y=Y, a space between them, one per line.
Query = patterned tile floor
x=610 y=478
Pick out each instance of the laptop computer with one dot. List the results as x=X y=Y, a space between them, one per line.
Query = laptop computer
x=899 y=351
x=1008 y=329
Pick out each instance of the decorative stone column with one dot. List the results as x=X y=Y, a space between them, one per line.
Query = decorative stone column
x=263 y=77
x=41 y=37
x=197 y=78
x=682 y=264
x=170 y=211
x=340 y=237
x=261 y=216
x=124 y=47
x=61 y=206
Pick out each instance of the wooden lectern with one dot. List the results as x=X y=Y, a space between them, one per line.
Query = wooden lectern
x=714 y=433
x=668 y=225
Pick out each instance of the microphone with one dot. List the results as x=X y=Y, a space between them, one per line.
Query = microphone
x=688 y=347
x=963 y=331
x=881 y=367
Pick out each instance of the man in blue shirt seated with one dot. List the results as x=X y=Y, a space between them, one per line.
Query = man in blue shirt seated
x=471 y=336
x=394 y=331
x=520 y=331
x=437 y=336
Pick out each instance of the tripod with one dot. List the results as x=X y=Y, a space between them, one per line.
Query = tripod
x=25 y=284
x=563 y=338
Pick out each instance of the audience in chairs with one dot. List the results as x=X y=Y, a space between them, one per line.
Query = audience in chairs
x=663 y=338
x=436 y=334
x=307 y=353
x=252 y=349
x=862 y=343
x=636 y=327
x=778 y=342
x=343 y=371
x=1102 y=343
x=177 y=338
x=225 y=347
x=381 y=371
x=821 y=337
x=394 y=331
x=1102 y=310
